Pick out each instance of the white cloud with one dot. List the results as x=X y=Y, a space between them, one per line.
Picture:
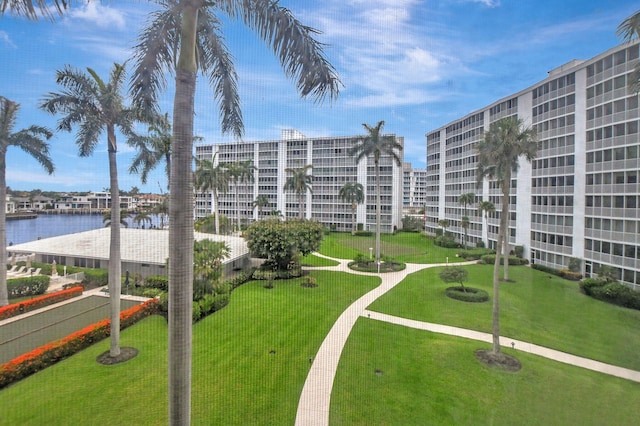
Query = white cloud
x=5 y=39
x=102 y=16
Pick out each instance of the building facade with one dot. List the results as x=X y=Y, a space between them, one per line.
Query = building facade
x=414 y=183
x=579 y=197
x=332 y=168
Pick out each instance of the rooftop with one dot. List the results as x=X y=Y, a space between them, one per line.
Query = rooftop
x=136 y=245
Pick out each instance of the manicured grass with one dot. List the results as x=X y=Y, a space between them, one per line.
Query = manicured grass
x=408 y=247
x=538 y=308
x=313 y=260
x=236 y=378
x=431 y=379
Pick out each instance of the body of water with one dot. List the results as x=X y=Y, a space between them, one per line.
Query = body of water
x=51 y=225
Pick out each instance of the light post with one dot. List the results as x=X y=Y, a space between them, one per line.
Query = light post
x=370 y=253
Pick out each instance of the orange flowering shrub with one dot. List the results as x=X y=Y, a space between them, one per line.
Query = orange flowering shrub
x=46 y=355
x=39 y=302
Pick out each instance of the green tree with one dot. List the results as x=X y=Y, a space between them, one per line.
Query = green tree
x=142 y=217
x=124 y=215
x=486 y=207
x=96 y=106
x=33 y=9
x=352 y=193
x=239 y=172
x=153 y=148
x=213 y=177
x=32 y=141
x=455 y=274
x=377 y=145
x=162 y=210
x=208 y=257
x=498 y=154
x=444 y=224
x=299 y=183
x=629 y=29
x=185 y=37
x=466 y=199
x=279 y=242
x=261 y=202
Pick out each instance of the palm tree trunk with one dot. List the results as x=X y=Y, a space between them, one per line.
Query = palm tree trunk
x=235 y=184
x=4 y=294
x=377 y=212
x=506 y=189
x=216 y=216
x=353 y=219
x=495 y=313
x=115 y=267
x=181 y=224
x=300 y=206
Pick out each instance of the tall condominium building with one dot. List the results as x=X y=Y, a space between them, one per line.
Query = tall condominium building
x=332 y=168
x=579 y=197
x=413 y=187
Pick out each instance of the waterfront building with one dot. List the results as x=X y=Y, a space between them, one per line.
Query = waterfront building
x=332 y=168
x=579 y=197
x=414 y=183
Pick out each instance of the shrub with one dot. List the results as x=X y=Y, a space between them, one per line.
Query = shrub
x=575 y=264
x=95 y=277
x=309 y=282
x=588 y=284
x=157 y=281
x=480 y=244
x=474 y=295
x=513 y=261
x=546 y=269
x=446 y=241
x=519 y=251
x=412 y=224
x=570 y=275
x=27 y=286
x=363 y=233
x=39 y=302
x=44 y=356
x=474 y=254
x=240 y=279
x=361 y=258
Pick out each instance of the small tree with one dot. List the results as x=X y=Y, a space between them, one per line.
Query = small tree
x=281 y=241
x=455 y=274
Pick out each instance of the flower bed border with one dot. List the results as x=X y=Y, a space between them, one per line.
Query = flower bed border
x=49 y=354
x=39 y=302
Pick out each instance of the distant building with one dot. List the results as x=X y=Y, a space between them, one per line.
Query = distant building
x=414 y=185
x=580 y=197
x=332 y=168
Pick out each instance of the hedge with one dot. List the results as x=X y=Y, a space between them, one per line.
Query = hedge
x=611 y=292
x=49 y=354
x=39 y=302
x=157 y=281
x=472 y=294
x=513 y=261
x=27 y=286
x=564 y=273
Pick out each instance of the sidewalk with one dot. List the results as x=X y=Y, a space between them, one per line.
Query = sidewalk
x=315 y=398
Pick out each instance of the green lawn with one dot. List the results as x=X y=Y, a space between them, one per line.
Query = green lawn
x=408 y=247
x=538 y=308
x=315 y=261
x=431 y=379
x=236 y=378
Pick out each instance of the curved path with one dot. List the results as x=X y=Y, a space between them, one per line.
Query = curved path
x=315 y=399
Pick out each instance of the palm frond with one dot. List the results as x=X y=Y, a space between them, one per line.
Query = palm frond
x=629 y=28
x=33 y=9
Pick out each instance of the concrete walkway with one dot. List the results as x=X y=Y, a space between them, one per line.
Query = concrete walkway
x=315 y=399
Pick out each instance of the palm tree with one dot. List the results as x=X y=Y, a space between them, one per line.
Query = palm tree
x=32 y=141
x=465 y=199
x=486 y=207
x=376 y=144
x=498 y=154
x=95 y=106
x=299 y=183
x=162 y=210
x=215 y=178
x=629 y=30
x=444 y=224
x=32 y=9
x=352 y=193
x=239 y=172
x=261 y=202
x=124 y=215
x=142 y=218
x=184 y=38
x=153 y=148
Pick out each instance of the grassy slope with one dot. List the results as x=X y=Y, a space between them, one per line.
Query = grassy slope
x=235 y=378
x=434 y=379
x=538 y=308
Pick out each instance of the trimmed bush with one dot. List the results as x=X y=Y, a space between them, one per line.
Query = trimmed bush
x=474 y=295
x=39 y=302
x=362 y=233
x=513 y=261
x=27 y=286
x=474 y=254
x=570 y=275
x=95 y=277
x=588 y=284
x=44 y=356
x=446 y=242
x=157 y=281
x=611 y=292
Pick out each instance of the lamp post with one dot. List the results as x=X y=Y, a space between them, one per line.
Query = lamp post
x=370 y=253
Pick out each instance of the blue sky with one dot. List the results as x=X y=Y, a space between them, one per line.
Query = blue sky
x=414 y=64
